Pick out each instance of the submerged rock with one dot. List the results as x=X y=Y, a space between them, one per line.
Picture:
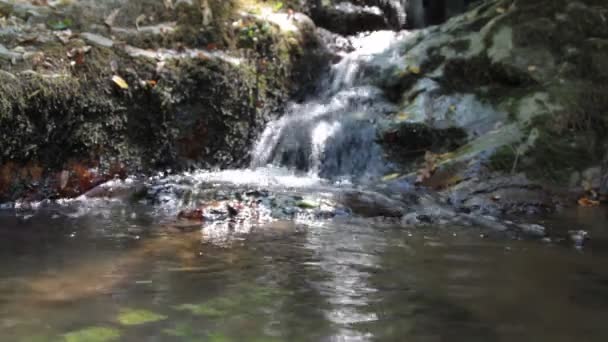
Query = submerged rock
x=371 y=204
x=578 y=237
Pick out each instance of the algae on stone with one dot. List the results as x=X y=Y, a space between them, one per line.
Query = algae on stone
x=138 y=317
x=93 y=334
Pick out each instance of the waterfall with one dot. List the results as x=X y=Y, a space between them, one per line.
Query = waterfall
x=333 y=134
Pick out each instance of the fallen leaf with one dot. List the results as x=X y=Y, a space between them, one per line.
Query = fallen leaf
x=119 y=81
x=390 y=177
x=501 y=10
x=414 y=69
x=586 y=202
x=403 y=116
x=308 y=204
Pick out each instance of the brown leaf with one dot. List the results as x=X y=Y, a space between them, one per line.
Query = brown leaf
x=586 y=202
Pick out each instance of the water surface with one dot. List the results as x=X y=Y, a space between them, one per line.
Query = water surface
x=120 y=275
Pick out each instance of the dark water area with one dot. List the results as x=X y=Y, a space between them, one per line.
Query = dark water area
x=122 y=276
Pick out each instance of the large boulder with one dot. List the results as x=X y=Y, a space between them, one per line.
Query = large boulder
x=524 y=79
x=347 y=18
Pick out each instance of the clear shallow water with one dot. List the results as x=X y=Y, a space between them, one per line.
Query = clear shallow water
x=126 y=277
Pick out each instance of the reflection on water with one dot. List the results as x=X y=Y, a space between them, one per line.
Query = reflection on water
x=119 y=278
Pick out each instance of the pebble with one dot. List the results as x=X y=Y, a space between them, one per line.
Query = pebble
x=533 y=230
x=578 y=237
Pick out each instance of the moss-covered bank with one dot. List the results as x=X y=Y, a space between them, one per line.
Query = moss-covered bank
x=195 y=95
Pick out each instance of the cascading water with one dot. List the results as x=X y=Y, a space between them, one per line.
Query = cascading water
x=333 y=134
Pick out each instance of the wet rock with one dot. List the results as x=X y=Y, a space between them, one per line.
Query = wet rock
x=335 y=43
x=409 y=140
x=346 y=18
x=496 y=194
x=591 y=178
x=578 y=237
x=116 y=189
x=491 y=73
x=486 y=221
x=9 y=55
x=371 y=204
x=97 y=40
x=604 y=178
x=533 y=230
x=410 y=219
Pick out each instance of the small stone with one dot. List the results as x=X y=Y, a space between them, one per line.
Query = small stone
x=578 y=237
x=97 y=40
x=9 y=55
x=533 y=230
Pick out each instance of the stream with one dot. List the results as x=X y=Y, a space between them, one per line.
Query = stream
x=276 y=254
x=120 y=274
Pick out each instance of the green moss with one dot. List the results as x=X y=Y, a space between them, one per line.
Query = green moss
x=138 y=317
x=460 y=45
x=219 y=337
x=181 y=330
x=211 y=309
x=93 y=334
x=503 y=159
x=554 y=157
